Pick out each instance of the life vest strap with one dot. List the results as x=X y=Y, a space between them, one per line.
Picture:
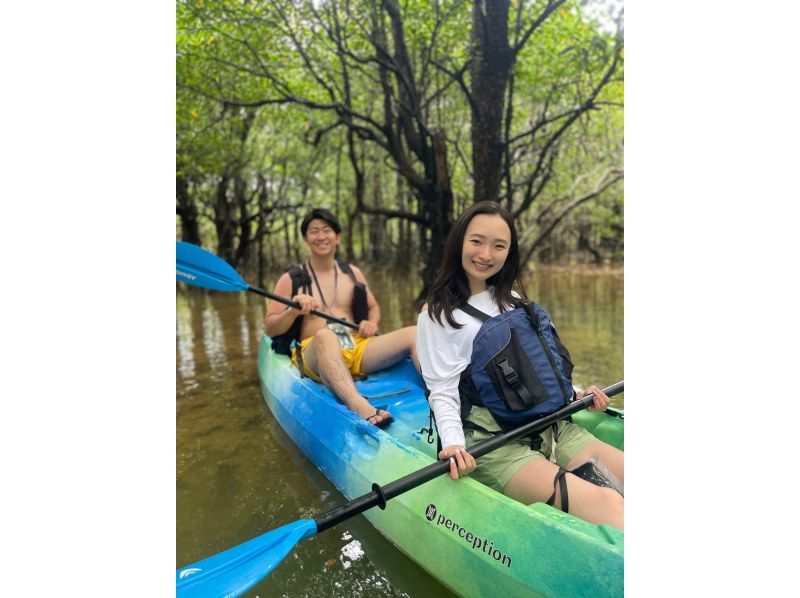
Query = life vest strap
x=560 y=481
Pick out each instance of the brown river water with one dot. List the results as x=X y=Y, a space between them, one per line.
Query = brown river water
x=239 y=475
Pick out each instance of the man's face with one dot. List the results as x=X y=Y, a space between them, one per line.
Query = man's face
x=321 y=238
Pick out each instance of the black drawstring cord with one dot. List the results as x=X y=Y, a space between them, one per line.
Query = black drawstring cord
x=429 y=429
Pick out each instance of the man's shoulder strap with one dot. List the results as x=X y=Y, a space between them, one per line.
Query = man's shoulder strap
x=345 y=267
x=360 y=307
x=300 y=277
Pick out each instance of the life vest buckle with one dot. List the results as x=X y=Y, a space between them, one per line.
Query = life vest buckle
x=509 y=374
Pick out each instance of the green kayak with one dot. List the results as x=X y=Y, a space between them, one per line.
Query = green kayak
x=473 y=539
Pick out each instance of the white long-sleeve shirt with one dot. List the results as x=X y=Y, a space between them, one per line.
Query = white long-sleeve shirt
x=444 y=352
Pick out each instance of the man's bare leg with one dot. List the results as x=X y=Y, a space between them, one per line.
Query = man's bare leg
x=387 y=349
x=324 y=355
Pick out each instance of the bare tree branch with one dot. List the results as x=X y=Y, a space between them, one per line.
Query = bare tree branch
x=608 y=178
x=548 y=10
x=458 y=77
x=587 y=104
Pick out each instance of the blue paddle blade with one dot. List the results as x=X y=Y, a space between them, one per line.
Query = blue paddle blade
x=238 y=569
x=198 y=267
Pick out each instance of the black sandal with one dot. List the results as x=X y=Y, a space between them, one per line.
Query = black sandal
x=384 y=422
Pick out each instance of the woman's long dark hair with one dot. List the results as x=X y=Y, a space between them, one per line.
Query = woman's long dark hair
x=450 y=288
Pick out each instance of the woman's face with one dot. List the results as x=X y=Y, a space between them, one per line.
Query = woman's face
x=486 y=244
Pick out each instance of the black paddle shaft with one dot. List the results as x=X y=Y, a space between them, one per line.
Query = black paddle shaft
x=296 y=305
x=380 y=494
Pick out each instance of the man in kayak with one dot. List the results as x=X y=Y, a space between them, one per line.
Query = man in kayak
x=329 y=352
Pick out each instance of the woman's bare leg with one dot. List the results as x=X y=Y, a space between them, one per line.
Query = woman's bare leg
x=534 y=483
x=608 y=455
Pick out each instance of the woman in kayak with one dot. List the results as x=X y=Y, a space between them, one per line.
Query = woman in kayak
x=480 y=266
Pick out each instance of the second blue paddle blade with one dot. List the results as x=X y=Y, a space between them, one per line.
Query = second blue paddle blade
x=198 y=267
x=236 y=570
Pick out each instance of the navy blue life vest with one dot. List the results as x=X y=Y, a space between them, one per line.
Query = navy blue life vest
x=520 y=370
x=301 y=280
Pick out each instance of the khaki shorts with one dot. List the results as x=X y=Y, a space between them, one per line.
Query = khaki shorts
x=352 y=357
x=495 y=469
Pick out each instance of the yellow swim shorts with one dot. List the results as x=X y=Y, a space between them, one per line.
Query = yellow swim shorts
x=352 y=357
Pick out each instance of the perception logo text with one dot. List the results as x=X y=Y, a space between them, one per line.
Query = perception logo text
x=485 y=545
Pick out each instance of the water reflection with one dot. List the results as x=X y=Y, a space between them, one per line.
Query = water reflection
x=244 y=328
x=587 y=308
x=213 y=336
x=185 y=336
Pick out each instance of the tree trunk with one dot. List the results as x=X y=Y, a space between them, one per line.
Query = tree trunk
x=377 y=224
x=585 y=244
x=225 y=221
x=360 y=192
x=261 y=228
x=298 y=239
x=187 y=210
x=287 y=236
x=338 y=182
x=438 y=197
x=244 y=249
x=489 y=73
x=404 y=250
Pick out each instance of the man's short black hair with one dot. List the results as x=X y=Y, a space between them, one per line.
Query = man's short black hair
x=321 y=214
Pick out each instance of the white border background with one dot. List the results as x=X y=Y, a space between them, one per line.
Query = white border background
x=87 y=245
x=88 y=425
x=711 y=308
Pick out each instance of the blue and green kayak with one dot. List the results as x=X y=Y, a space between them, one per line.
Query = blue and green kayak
x=474 y=540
